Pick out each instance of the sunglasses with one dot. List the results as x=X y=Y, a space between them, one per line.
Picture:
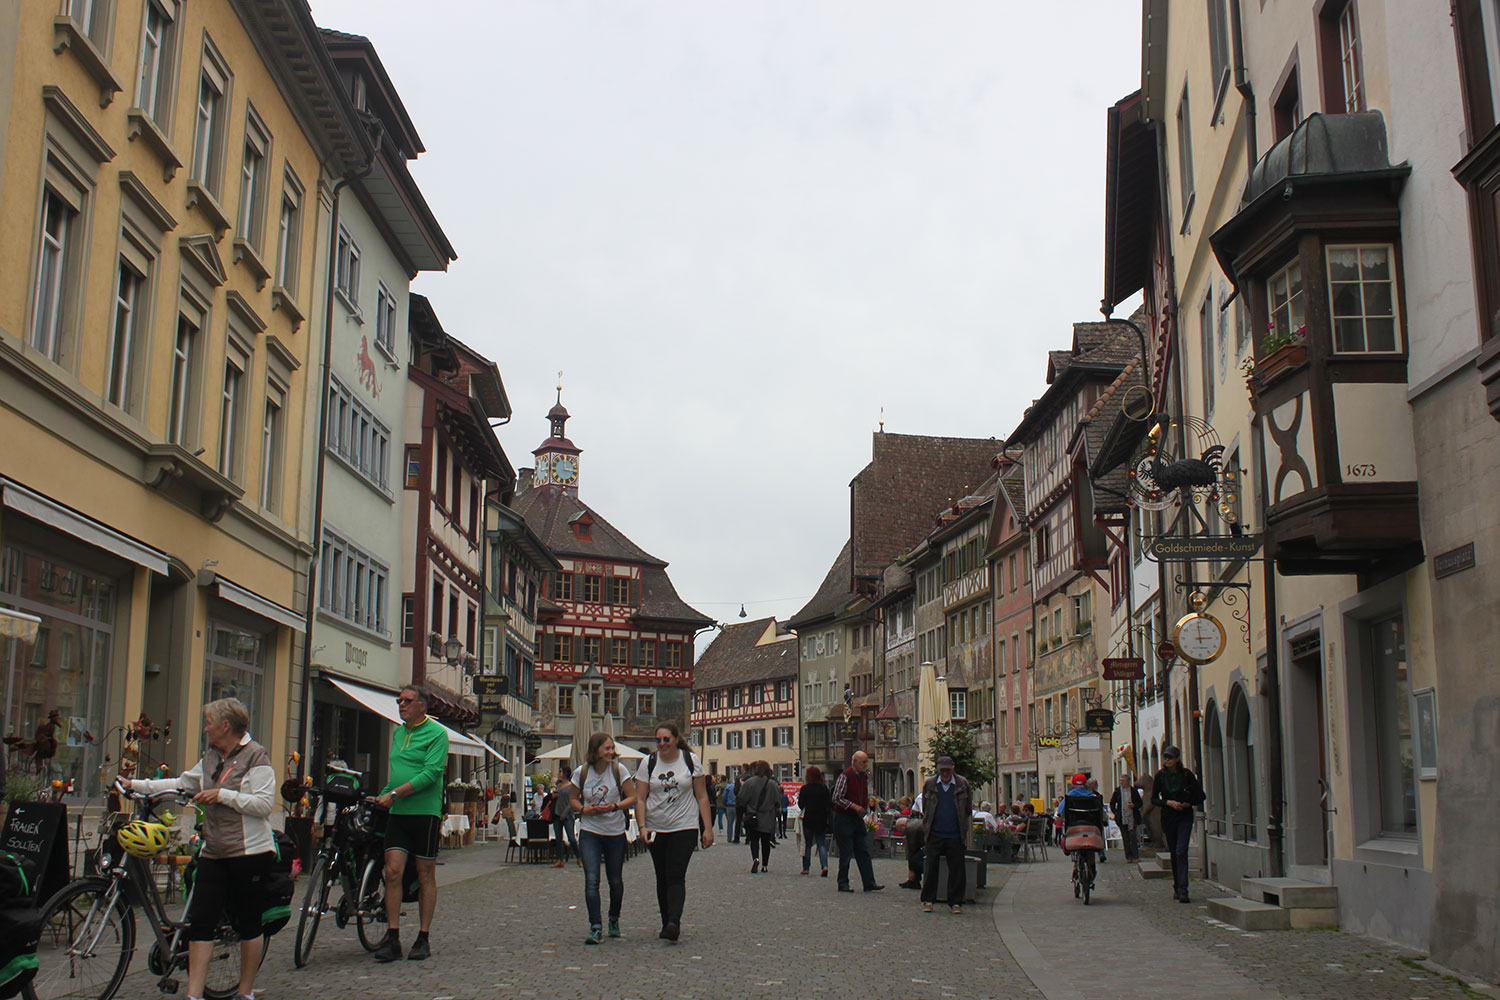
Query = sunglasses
x=664 y=739
x=406 y=701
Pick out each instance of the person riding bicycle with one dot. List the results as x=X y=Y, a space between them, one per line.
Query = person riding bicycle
x=235 y=786
x=1082 y=813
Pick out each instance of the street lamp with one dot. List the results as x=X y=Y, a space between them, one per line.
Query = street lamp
x=453 y=650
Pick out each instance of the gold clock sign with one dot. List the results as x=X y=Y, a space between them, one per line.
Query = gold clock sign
x=1198 y=635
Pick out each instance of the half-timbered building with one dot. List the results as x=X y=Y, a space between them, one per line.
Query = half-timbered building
x=745 y=699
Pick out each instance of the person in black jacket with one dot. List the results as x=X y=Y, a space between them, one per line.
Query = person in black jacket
x=1126 y=806
x=1177 y=792
x=817 y=810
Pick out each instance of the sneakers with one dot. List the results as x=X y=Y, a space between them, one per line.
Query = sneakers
x=614 y=926
x=595 y=936
x=420 y=949
x=671 y=932
x=926 y=907
x=388 y=950
x=956 y=908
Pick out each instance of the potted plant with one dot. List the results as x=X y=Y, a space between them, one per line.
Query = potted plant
x=1280 y=351
x=1005 y=846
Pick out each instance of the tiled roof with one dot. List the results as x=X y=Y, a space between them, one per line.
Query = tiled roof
x=1101 y=348
x=909 y=479
x=659 y=600
x=735 y=658
x=832 y=594
x=1110 y=488
x=330 y=34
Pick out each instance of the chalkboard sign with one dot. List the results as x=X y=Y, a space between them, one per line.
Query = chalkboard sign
x=37 y=834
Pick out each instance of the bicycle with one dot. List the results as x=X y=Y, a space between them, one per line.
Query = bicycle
x=349 y=857
x=89 y=925
x=1083 y=873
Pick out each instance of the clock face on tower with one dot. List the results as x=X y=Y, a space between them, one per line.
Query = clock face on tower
x=543 y=469
x=565 y=469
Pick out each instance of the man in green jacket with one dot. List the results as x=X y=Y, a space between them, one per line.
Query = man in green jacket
x=414 y=796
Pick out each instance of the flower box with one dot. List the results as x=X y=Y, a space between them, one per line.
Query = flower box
x=1280 y=362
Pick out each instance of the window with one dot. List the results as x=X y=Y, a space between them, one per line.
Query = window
x=619 y=590
x=781 y=736
x=589 y=649
x=562 y=587
x=619 y=652
x=1240 y=769
x=1042 y=540
x=231 y=414
x=671 y=655
x=289 y=233
x=184 y=361
x=591 y=586
x=1391 y=682
x=562 y=648
x=958 y=703
x=1340 y=53
x=413 y=467
x=715 y=736
x=153 y=90
x=1000 y=655
x=385 y=320
x=253 y=181
x=408 y=619
x=440 y=478
x=1285 y=301
x=354 y=586
x=783 y=690
x=358 y=436
x=272 y=446
x=54 y=274
x=125 y=336
x=1218 y=46
x=234 y=667
x=1206 y=345
x=612 y=701
x=1185 y=154
x=736 y=697
x=648 y=652
x=208 y=131
x=1362 y=299
x=565 y=700
x=757 y=738
x=437 y=607
x=1013 y=581
x=346 y=271
x=736 y=740
x=1286 y=106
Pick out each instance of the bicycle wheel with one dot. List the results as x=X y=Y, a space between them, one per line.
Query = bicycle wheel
x=86 y=945
x=224 y=962
x=314 y=902
x=369 y=904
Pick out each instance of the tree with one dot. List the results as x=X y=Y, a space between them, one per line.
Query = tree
x=956 y=740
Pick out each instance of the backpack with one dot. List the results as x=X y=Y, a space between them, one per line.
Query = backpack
x=20 y=927
x=687 y=757
x=280 y=887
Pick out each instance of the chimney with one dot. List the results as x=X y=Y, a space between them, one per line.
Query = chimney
x=523 y=480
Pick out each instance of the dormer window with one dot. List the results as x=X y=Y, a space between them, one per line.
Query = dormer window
x=358 y=94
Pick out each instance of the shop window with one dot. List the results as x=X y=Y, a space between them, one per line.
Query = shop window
x=1386 y=647
x=234 y=667
x=1240 y=766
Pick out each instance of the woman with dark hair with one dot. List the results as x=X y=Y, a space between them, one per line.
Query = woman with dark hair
x=761 y=797
x=817 y=809
x=671 y=809
x=600 y=798
x=562 y=818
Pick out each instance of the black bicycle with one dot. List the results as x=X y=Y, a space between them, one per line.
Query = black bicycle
x=351 y=859
x=89 y=926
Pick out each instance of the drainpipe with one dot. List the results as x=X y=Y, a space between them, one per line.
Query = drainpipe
x=1242 y=83
x=312 y=569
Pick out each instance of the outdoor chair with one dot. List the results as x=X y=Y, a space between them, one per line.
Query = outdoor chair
x=1035 y=838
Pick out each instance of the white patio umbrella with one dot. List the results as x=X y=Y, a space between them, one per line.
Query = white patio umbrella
x=565 y=752
x=933 y=710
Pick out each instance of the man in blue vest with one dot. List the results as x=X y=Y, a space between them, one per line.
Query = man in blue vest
x=947 y=811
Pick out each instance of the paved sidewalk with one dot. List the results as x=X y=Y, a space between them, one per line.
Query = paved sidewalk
x=1135 y=940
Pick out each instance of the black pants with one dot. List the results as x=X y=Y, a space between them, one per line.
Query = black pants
x=1132 y=849
x=854 y=845
x=1178 y=834
x=937 y=848
x=232 y=886
x=670 y=854
x=915 y=841
x=760 y=845
x=735 y=816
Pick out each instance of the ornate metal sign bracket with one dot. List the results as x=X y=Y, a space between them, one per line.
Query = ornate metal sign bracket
x=1227 y=594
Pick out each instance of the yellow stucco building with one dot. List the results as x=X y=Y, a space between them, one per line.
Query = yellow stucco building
x=167 y=169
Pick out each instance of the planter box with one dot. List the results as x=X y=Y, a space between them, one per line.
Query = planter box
x=1280 y=362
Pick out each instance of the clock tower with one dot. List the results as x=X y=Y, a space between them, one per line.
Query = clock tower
x=557 y=457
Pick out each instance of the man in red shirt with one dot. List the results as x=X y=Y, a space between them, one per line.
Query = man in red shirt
x=851 y=801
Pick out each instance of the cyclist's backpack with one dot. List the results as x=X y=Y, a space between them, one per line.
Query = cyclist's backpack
x=20 y=927
x=279 y=886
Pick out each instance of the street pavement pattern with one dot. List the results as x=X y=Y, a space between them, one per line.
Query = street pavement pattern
x=517 y=931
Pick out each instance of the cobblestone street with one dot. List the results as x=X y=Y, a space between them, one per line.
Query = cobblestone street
x=518 y=931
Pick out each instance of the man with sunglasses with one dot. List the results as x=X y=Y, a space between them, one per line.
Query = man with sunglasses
x=414 y=796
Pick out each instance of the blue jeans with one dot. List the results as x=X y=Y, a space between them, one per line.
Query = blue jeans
x=561 y=828
x=821 y=841
x=592 y=848
x=854 y=845
x=1178 y=834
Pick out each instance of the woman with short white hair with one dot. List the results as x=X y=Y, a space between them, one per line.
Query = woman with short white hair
x=235 y=786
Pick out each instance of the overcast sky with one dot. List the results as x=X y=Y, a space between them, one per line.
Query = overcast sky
x=741 y=229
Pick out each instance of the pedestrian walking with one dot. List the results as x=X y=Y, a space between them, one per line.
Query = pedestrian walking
x=738 y=819
x=562 y=818
x=761 y=795
x=1125 y=803
x=816 y=803
x=601 y=798
x=1177 y=791
x=670 y=810
x=712 y=787
x=414 y=796
x=730 y=810
x=851 y=802
x=945 y=823
x=235 y=786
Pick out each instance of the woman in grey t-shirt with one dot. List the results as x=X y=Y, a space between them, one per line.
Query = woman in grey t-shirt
x=602 y=793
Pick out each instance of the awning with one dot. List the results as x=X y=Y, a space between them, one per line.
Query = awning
x=489 y=749
x=18 y=625
x=253 y=602
x=81 y=526
x=383 y=704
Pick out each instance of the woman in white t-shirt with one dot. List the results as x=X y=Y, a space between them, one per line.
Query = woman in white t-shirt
x=671 y=810
x=601 y=798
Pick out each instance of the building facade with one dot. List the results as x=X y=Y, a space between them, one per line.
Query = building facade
x=745 y=699
x=1010 y=576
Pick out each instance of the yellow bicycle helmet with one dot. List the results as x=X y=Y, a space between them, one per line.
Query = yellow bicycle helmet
x=142 y=839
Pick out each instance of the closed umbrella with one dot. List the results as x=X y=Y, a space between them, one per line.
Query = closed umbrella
x=933 y=709
x=583 y=720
